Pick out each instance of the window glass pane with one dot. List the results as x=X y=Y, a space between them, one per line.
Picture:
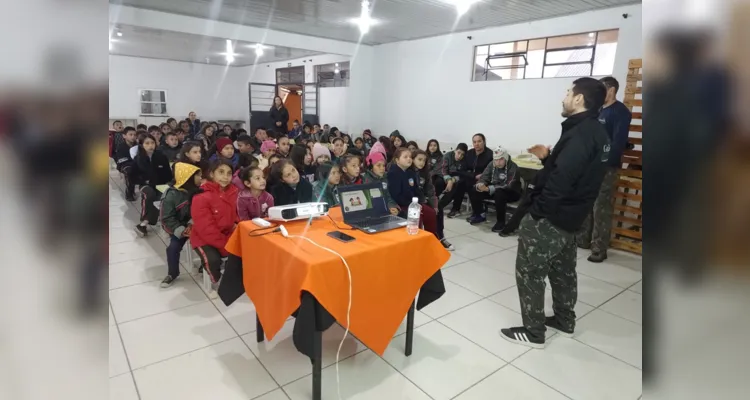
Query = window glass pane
x=153 y=95
x=154 y=108
x=604 y=60
x=565 y=56
x=535 y=59
x=507 y=61
x=608 y=36
x=561 y=42
x=510 y=47
x=482 y=50
x=558 y=71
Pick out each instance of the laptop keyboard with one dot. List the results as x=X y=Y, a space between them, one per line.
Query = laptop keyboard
x=370 y=222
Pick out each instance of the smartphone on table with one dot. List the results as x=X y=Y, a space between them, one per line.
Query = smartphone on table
x=341 y=236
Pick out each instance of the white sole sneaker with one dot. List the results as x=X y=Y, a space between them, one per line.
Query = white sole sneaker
x=561 y=333
x=522 y=342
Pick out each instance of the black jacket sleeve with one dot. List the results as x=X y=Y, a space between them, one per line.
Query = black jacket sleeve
x=569 y=166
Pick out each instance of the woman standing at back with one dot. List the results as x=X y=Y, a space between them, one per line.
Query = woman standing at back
x=279 y=116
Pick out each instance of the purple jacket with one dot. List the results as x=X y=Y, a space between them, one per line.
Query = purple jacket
x=249 y=207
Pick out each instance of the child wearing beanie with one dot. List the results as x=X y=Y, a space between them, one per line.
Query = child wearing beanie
x=321 y=154
x=375 y=172
x=225 y=151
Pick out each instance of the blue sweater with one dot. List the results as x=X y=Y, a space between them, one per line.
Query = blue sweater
x=403 y=185
x=616 y=120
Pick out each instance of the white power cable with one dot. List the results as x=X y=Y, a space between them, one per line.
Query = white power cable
x=348 y=308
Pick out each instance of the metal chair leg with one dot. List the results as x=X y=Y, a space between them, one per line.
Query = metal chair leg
x=409 y=330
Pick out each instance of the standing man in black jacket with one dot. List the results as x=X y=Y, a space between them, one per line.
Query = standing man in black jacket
x=597 y=227
x=475 y=161
x=565 y=193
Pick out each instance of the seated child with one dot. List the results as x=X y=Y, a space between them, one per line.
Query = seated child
x=403 y=184
x=214 y=213
x=180 y=136
x=358 y=149
x=175 y=215
x=325 y=189
x=427 y=190
x=302 y=159
x=246 y=160
x=288 y=188
x=125 y=162
x=245 y=144
x=375 y=172
x=151 y=170
x=225 y=152
x=267 y=149
x=321 y=154
x=253 y=200
x=170 y=148
x=339 y=148
x=350 y=170
x=501 y=182
x=284 y=147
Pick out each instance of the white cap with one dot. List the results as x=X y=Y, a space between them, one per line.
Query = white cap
x=415 y=199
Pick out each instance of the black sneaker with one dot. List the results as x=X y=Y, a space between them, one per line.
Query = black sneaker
x=452 y=214
x=505 y=233
x=167 y=282
x=521 y=335
x=448 y=246
x=597 y=257
x=130 y=197
x=555 y=325
x=498 y=227
x=140 y=230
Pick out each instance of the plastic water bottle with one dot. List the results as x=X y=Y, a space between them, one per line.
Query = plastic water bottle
x=412 y=217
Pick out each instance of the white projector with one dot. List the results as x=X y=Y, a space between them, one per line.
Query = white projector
x=294 y=212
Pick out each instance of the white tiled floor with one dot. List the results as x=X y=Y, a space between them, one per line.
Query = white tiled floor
x=177 y=344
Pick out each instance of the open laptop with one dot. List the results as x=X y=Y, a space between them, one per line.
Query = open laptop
x=364 y=208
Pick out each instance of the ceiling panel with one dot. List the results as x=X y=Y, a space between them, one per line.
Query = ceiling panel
x=154 y=43
x=402 y=19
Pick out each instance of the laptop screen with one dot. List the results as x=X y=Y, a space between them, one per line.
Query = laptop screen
x=362 y=201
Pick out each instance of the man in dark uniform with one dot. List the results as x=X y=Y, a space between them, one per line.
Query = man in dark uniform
x=562 y=198
x=597 y=227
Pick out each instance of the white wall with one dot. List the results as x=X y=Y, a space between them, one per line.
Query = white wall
x=213 y=92
x=333 y=107
x=423 y=87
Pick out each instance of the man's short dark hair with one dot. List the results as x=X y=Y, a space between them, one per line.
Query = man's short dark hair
x=260 y=128
x=296 y=120
x=142 y=127
x=170 y=133
x=153 y=128
x=609 y=82
x=178 y=130
x=246 y=140
x=116 y=121
x=128 y=128
x=463 y=147
x=222 y=134
x=593 y=92
x=307 y=125
x=316 y=124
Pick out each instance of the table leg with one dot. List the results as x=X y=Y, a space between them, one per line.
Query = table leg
x=317 y=363
x=259 y=334
x=409 y=329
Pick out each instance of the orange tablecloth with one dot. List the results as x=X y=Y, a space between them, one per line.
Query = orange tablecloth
x=388 y=268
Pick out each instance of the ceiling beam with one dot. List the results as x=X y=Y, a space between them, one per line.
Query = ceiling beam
x=198 y=26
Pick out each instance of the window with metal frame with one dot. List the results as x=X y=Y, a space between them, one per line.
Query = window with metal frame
x=153 y=102
x=581 y=54
x=333 y=75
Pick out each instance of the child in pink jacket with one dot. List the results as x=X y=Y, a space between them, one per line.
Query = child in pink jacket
x=253 y=201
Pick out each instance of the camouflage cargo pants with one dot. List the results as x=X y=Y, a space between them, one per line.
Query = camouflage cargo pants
x=545 y=250
x=597 y=227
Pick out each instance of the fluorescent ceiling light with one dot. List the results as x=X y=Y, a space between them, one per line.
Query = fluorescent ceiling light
x=119 y=34
x=462 y=6
x=230 y=52
x=258 y=50
x=365 y=21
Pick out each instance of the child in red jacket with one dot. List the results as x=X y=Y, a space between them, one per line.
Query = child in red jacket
x=214 y=213
x=253 y=201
